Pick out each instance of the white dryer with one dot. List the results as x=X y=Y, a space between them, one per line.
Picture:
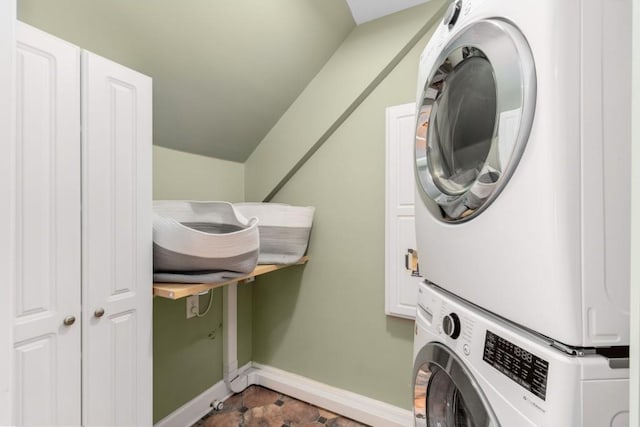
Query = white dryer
x=474 y=369
x=523 y=163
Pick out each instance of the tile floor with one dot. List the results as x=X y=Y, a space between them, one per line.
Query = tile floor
x=261 y=407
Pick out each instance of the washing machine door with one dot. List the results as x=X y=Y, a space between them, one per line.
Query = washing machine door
x=445 y=394
x=474 y=118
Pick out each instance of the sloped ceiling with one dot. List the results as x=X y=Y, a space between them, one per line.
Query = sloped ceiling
x=223 y=71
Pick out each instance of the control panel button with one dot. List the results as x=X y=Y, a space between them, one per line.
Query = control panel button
x=466 y=349
x=451 y=325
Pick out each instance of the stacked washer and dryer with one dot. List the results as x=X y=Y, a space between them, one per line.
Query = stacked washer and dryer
x=523 y=214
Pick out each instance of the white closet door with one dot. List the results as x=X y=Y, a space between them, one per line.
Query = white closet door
x=117 y=244
x=47 y=233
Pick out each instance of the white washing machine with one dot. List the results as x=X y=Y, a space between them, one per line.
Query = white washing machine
x=523 y=163
x=474 y=369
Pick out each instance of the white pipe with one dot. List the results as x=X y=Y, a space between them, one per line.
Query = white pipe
x=235 y=381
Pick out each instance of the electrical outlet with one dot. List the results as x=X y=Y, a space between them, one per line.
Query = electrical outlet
x=193 y=306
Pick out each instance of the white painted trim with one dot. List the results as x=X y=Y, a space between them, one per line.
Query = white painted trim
x=7 y=204
x=352 y=405
x=634 y=382
x=196 y=408
x=189 y=413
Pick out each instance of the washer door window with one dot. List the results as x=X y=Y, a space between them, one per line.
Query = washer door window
x=445 y=394
x=474 y=119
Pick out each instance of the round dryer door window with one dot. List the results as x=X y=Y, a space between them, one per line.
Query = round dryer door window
x=445 y=394
x=474 y=118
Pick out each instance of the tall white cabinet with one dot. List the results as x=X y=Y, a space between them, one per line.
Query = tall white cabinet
x=401 y=284
x=83 y=244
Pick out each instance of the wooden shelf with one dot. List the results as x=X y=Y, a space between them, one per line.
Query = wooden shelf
x=181 y=290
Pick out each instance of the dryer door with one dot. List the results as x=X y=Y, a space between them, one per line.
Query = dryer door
x=474 y=118
x=445 y=393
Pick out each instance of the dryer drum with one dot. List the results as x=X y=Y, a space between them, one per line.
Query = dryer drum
x=474 y=118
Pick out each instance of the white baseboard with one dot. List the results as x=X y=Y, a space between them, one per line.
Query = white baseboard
x=355 y=406
x=198 y=407
x=351 y=405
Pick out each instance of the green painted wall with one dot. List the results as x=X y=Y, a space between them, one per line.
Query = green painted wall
x=180 y=175
x=187 y=354
x=353 y=69
x=327 y=321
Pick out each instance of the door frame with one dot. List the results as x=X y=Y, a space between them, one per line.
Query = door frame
x=7 y=195
x=634 y=395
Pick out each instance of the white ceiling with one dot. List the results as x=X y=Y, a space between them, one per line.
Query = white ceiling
x=368 y=10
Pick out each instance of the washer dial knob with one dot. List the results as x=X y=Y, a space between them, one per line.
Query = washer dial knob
x=451 y=325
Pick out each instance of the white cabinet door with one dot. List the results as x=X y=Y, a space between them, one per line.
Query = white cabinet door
x=401 y=286
x=47 y=233
x=117 y=244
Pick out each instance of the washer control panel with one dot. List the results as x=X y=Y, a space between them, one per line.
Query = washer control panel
x=521 y=366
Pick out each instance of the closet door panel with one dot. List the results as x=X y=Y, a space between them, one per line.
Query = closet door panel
x=35 y=367
x=47 y=232
x=117 y=244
